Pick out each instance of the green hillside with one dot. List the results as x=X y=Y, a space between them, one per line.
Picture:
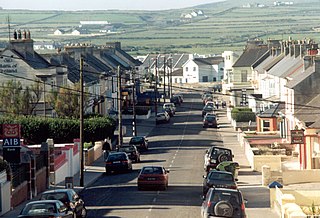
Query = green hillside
x=225 y=26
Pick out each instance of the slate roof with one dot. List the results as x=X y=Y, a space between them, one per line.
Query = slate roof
x=209 y=61
x=282 y=68
x=73 y=67
x=97 y=64
x=33 y=59
x=299 y=77
x=129 y=59
x=310 y=112
x=177 y=60
x=272 y=111
x=251 y=55
x=178 y=72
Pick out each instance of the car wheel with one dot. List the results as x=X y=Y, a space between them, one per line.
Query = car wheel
x=222 y=157
x=223 y=209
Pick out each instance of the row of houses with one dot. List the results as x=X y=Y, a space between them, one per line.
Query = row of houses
x=280 y=81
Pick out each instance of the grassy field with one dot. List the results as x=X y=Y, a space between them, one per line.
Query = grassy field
x=227 y=26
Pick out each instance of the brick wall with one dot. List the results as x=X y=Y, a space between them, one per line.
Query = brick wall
x=19 y=194
x=41 y=178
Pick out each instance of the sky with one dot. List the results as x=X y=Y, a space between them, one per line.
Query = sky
x=100 y=4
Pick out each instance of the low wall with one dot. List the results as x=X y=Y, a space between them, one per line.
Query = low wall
x=5 y=197
x=274 y=162
x=41 y=179
x=300 y=176
x=89 y=156
x=98 y=150
x=19 y=194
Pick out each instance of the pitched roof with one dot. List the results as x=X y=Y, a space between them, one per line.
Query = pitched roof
x=251 y=55
x=33 y=59
x=299 y=76
x=309 y=113
x=272 y=111
x=178 y=72
x=282 y=68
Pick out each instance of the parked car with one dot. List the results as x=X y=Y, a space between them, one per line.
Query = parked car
x=140 y=142
x=162 y=118
x=207 y=109
x=210 y=103
x=169 y=111
x=70 y=199
x=131 y=151
x=153 y=177
x=220 y=202
x=218 y=179
x=210 y=120
x=180 y=96
x=229 y=166
x=176 y=100
x=45 y=208
x=118 y=162
x=170 y=105
x=216 y=155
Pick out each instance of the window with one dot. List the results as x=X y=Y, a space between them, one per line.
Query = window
x=266 y=125
x=244 y=77
x=205 y=79
x=186 y=80
x=194 y=68
x=187 y=69
x=175 y=80
x=180 y=80
x=214 y=79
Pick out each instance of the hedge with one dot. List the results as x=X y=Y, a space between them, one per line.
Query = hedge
x=243 y=114
x=36 y=130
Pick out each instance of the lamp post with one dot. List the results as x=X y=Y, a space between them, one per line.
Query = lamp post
x=156 y=90
x=164 y=78
x=134 y=121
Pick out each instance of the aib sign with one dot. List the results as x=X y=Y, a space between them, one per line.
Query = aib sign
x=11 y=142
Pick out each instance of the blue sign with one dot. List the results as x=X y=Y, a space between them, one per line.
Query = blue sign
x=11 y=142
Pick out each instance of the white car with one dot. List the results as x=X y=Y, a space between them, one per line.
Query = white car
x=210 y=103
x=162 y=118
x=171 y=106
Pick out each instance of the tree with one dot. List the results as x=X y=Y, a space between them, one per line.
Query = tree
x=16 y=99
x=66 y=101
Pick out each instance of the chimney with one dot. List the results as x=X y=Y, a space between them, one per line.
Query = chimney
x=291 y=49
x=313 y=50
x=116 y=45
x=317 y=64
x=296 y=48
x=21 y=45
x=307 y=62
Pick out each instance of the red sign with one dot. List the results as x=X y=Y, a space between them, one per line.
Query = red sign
x=297 y=137
x=11 y=131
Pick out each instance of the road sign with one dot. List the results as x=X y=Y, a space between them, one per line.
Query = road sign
x=297 y=137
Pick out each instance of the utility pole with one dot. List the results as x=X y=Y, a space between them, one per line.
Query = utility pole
x=81 y=125
x=156 y=90
x=171 y=69
x=164 y=78
x=120 y=139
x=134 y=121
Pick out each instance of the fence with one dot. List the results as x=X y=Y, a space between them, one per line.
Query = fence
x=40 y=162
x=19 y=175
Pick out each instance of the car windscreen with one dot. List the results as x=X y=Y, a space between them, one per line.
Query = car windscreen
x=210 y=118
x=62 y=196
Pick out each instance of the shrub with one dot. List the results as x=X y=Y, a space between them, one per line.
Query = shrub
x=36 y=130
x=243 y=114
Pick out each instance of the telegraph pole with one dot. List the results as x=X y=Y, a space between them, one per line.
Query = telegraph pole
x=134 y=121
x=81 y=124
x=164 y=78
x=156 y=91
x=120 y=139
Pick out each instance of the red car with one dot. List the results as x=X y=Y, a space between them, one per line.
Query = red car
x=153 y=177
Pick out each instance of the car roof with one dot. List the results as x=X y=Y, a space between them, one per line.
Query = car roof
x=226 y=190
x=56 y=191
x=117 y=152
x=152 y=166
x=220 y=172
x=222 y=148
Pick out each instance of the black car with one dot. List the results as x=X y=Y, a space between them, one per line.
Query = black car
x=140 y=142
x=207 y=109
x=218 y=179
x=70 y=199
x=118 y=162
x=220 y=202
x=210 y=120
x=45 y=209
x=131 y=151
x=176 y=100
x=216 y=155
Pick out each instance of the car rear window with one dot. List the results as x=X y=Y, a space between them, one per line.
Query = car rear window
x=232 y=197
x=113 y=157
x=136 y=139
x=62 y=196
x=152 y=170
x=126 y=149
x=39 y=208
x=217 y=151
x=220 y=176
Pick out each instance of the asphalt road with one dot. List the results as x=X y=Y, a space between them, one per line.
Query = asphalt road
x=178 y=146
